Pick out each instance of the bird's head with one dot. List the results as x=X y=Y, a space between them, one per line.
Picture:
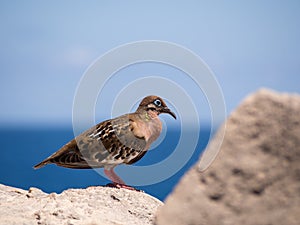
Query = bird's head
x=155 y=105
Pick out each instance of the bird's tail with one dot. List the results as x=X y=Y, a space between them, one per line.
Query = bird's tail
x=41 y=164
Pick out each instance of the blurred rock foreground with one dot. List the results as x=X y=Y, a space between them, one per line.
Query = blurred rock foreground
x=255 y=180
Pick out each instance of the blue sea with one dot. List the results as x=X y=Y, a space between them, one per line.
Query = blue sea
x=22 y=148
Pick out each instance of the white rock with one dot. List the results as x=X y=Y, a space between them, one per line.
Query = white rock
x=91 y=206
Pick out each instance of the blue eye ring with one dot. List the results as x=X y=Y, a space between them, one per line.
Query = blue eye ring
x=157 y=102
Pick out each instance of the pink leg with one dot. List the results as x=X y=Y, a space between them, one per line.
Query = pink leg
x=117 y=181
x=113 y=176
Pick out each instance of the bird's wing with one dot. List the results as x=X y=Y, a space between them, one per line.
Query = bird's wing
x=109 y=143
x=119 y=144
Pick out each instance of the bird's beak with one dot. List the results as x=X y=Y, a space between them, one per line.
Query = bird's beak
x=167 y=110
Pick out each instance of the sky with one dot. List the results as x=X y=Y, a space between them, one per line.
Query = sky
x=47 y=46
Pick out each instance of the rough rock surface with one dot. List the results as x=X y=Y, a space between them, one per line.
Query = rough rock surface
x=91 y=206
x=255 y=179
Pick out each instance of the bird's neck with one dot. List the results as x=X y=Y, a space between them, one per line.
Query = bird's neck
x=150 y=124
x=152 y=114
x=147 y=114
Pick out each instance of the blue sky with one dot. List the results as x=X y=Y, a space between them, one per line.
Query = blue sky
x=47 y=46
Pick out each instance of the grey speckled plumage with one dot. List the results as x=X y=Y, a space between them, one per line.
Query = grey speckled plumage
x=124 y=139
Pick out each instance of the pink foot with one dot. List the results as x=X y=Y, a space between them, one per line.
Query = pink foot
x=117 y=181
x=116 y=185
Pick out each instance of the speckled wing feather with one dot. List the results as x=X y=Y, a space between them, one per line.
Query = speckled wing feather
x=107 y=144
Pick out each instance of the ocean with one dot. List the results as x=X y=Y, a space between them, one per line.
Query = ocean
x=22 y=148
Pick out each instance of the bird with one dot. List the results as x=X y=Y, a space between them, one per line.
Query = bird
x=121 y=140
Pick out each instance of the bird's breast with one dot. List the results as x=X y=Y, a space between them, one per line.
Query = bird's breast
x=153 y=130
x=147 y=129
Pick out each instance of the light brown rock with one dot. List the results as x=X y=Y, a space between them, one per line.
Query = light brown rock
x=91 y=206
x=255 y=179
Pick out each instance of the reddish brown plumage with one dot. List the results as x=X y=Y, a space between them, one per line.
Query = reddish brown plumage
x=124 y=139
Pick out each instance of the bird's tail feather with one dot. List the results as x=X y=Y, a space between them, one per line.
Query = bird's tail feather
x=41 y=164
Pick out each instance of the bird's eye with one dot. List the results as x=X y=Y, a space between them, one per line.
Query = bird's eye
x=157 y=102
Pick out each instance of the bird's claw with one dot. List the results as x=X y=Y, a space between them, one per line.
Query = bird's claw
x=116 y=185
